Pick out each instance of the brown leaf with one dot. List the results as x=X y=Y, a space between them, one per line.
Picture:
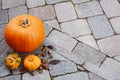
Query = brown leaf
x=54 y=62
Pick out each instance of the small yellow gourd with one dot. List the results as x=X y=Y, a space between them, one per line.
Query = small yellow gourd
x=13 y=61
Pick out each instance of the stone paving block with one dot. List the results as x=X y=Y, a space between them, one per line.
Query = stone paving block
x=2 y=27
x=70 y=55
x=88 y=9
x=98 y=71
x=74 y=76
x=35 y=3
x=54 y=1
x=89 y=40
x=76 y=28
x=95 y=77
x=17 y=11
x=65 y=11
x=0 y=4
x=116 y=24
x=44 y=76
x=100 y=26
x=44 y=13
x=12 y=3
x=62 y=67
x=53 y=23
x=13 y=77
x=113 y=67
x=62 y=40
x=117 y=58
x=89 y=54
x=4 y=70
x=3 y=16
x=111 y=8
x=110 y=46
x=79 y=1
x=48 y=28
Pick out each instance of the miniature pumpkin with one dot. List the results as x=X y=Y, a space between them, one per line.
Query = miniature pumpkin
x=13 y=61
x=32 y=62
x=24 y=33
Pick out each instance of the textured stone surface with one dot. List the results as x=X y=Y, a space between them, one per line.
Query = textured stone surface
x=76 y=28
x=53 y=23
x=74 y=76
x=12 y=3
x=117 y=58
x=4 y=70
x=76 y=58
x=111 y=8
x=100 y=26
x=113 y=67
x=63 y=67
x=89 y=40
x=62 y=39
x=2 y=27
x=110 y=46
x=48 y=28
x=35 y=3
x=44 y=13
x=37 y=76
x=94 y=77
x=115 y=24
x=98 y=71
x=3 y=16
x=89 y=54
x=79 y=1
x=65 y=11
x=88 y=9
x=17 y=11
x=0 y=4
x=13 y=77
x=54 y=1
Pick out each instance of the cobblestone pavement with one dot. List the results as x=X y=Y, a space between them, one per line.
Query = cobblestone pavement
x=85 y=33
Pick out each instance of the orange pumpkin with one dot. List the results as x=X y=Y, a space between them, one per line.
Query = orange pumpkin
x=32 y=62
x=24 y=33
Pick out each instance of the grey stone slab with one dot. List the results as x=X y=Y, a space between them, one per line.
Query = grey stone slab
x=65 y=11
x=95 y=77
x=17 y=11
x=76 y=28
x=89 y=40
x=110 y=46
x=98 y=71
x=2 y=27
x=0 y=4
x=54 y=1
x=62 y=39
x=44 y=76
x=54 y=23
x=115 y=24
x=45 y=13
x=35 y=3
x=74 y=76
x=88 y=9
x=48 y=28
x=62 y=67
x=3 y=16
x=79 y=1
x=4 y=71
x=117 y=58
x=111 y=8
x=113 y=67
x=100 y=26
x=67 y=54
x=12 y=3
x=13 y=77
x=89 y=54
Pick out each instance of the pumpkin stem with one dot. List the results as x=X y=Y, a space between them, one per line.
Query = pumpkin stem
x=25 y=23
